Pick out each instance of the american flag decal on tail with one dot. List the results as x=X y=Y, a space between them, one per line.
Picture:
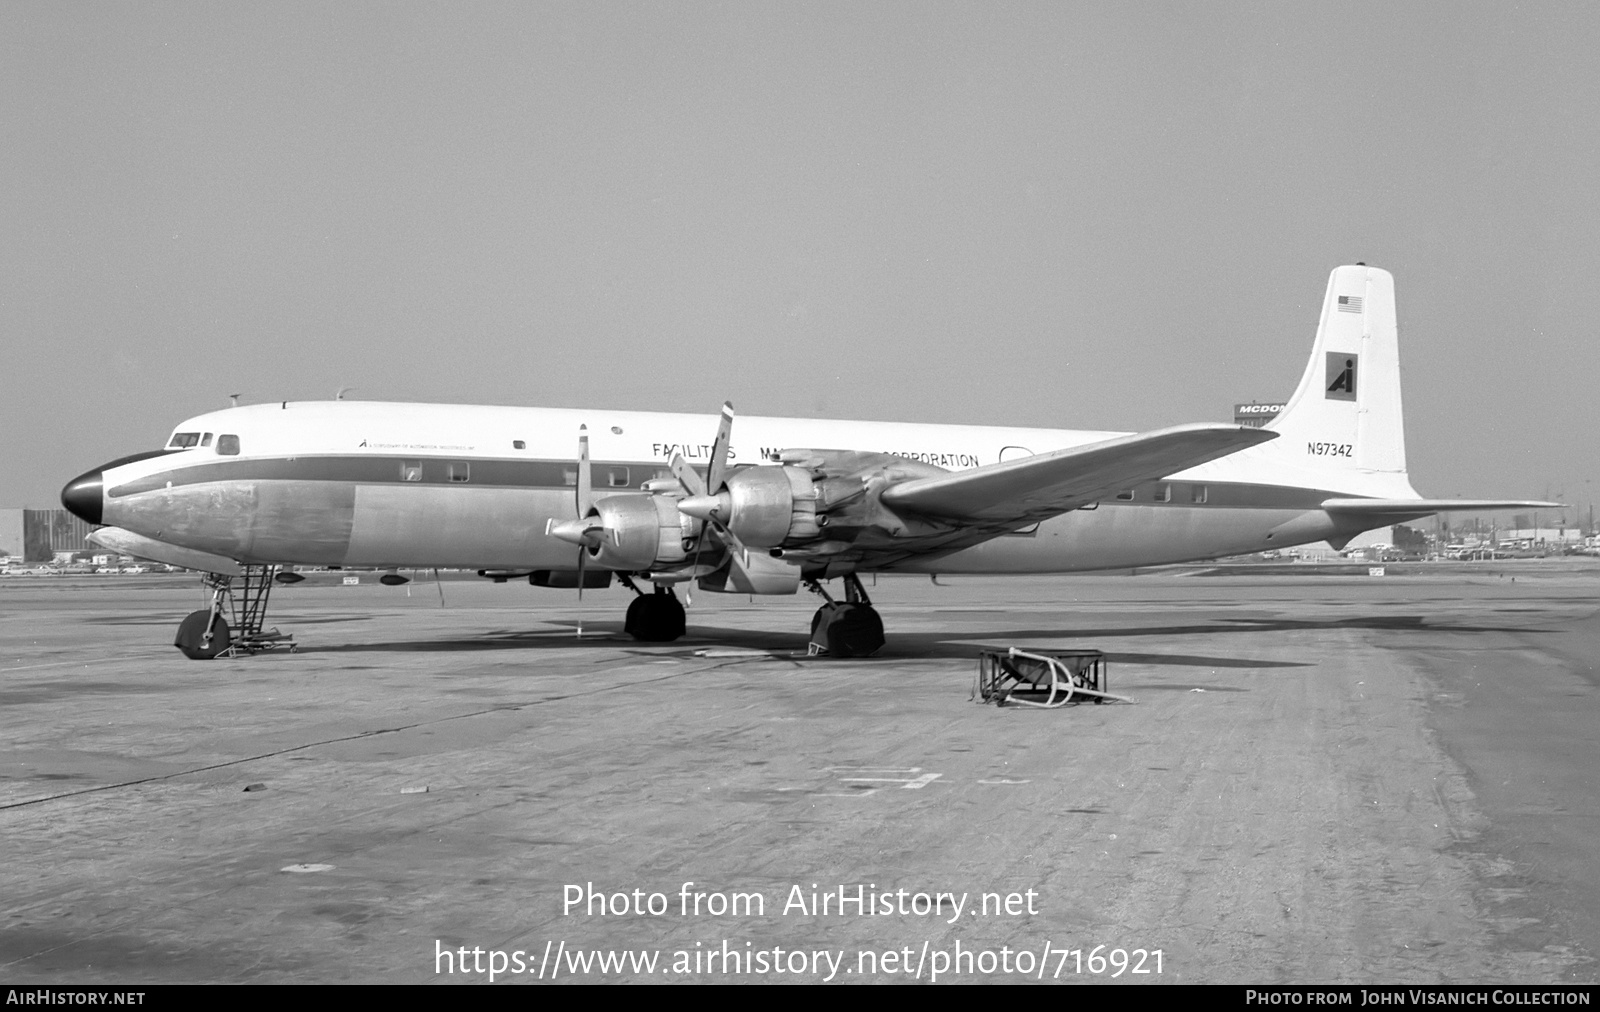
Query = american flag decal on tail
x=1349 y=303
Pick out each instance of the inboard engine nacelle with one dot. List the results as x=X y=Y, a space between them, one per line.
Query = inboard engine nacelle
x=764 y=506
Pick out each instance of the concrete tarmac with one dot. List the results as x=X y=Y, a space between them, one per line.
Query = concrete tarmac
x=1322 y=780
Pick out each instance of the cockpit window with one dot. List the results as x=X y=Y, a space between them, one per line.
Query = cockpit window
x=228 y=445
x=184 y=440
x=205 y=440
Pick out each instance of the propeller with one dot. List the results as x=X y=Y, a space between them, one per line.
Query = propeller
x=583 y=497
x=586 y=532
x=703 y=501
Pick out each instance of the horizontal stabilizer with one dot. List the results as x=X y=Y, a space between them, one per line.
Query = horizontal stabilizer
x=1425 y=507
x=1049 y=483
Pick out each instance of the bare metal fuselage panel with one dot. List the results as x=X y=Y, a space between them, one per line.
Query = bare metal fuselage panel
x=363 y=511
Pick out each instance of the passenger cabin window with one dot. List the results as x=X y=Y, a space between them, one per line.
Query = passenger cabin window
x=517 y=444
x=458 y=470
x=1126 y=495
x=411 y=470
x=1163 y=493
x=569 y=474
x=618 y=477
x=1197 y=493
x=184 y=440
x=228 y=445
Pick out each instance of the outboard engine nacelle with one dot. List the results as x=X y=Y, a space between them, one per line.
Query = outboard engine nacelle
x=642 y=532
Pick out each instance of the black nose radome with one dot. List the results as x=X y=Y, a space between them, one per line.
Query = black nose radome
x=84 y=495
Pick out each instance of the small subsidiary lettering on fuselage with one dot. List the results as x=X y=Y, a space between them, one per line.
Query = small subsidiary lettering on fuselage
x=412 y=446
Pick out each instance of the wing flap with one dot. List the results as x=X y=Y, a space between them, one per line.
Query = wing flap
x=1050 y=483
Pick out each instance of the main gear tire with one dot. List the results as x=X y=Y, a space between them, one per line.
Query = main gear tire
x=655 y=618
x=846 y=629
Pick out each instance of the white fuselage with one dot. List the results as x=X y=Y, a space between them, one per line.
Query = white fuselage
x=353 y=483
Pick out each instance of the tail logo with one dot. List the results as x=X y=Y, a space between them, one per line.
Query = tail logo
x=1341 y=376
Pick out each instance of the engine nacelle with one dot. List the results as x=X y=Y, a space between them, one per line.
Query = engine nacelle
x=641 y=532
x=763 y=506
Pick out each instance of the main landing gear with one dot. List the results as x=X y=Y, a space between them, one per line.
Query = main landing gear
x=848 y=628
x=208 y=633
x=654 y=618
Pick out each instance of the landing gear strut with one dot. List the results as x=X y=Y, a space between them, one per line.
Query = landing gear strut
x=654 y=618
x=848 y=628
x=207 y=633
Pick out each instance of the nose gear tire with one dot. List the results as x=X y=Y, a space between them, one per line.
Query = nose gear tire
x=191 y=638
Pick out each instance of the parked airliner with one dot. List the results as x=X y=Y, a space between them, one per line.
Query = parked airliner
x=578 y=497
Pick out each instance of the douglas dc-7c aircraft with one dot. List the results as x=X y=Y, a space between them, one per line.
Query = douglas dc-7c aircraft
x=575 y=498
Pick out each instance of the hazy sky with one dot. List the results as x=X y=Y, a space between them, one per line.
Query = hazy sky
x=1072 y=215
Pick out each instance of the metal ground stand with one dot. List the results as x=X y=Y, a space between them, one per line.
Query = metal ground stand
x=1059 y=677
x=247 y=608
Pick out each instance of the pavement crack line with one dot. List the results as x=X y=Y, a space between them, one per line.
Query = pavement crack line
x=503 y=708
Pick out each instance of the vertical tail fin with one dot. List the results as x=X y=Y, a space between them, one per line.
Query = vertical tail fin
x=1344 y=423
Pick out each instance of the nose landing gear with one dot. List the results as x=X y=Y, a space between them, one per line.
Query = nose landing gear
x=206 y=633
x=203 y=635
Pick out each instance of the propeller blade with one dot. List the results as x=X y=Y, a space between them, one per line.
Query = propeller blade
x=687 y=476
x=583 y=531
x=583 y=555
x=739 y=558
x=737 y=552
x=585 y=491
x=719 y=449
x=702 y=499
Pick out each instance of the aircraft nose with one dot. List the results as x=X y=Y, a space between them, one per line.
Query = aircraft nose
x=83 y=495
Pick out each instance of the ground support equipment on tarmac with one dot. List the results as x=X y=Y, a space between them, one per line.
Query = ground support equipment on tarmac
x=1059 y=677
x=208 y=633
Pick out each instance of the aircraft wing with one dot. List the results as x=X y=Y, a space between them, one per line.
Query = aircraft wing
x=1427 y=507
x=1050 y=483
